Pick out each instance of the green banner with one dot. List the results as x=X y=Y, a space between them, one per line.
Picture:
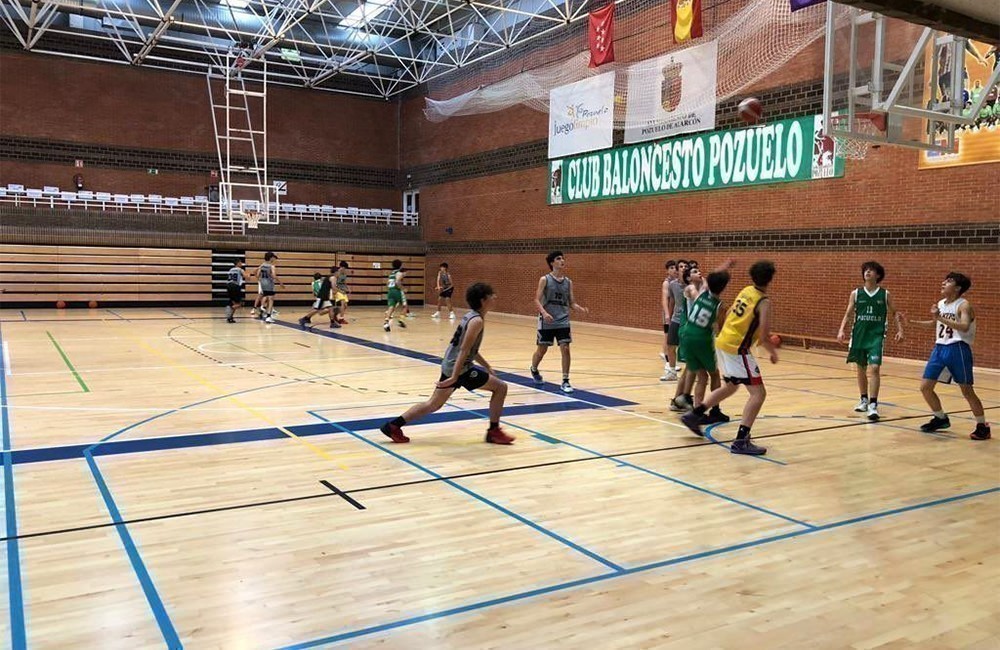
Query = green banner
x=779 y=152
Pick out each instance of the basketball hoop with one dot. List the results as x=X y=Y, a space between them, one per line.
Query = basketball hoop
x=252 y=218
x=870 y=124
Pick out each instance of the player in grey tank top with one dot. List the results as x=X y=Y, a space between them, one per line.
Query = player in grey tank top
x=457 y=370
x=554 y=299
x=455 y=347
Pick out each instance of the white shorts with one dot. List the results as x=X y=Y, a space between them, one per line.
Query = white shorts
x=739 y=368
x=321 y=304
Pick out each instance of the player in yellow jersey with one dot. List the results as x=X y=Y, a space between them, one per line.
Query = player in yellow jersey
x=747 y=324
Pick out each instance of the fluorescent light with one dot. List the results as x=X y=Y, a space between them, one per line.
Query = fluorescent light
x=365 y=13
x=235 y=4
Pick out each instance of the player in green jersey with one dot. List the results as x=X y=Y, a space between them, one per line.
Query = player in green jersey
x=870 y=308
x=702 y=319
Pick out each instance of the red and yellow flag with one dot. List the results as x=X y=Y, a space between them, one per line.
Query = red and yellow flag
x=686 y=17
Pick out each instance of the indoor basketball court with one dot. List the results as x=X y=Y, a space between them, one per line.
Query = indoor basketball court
x=188 y=466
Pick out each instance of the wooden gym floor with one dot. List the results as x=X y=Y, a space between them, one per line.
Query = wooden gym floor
x=178 y=481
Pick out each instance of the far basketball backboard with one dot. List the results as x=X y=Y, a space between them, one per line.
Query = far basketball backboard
x=915 y=80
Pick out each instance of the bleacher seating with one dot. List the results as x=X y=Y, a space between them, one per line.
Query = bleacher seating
x=52 y=197
x=45 y=274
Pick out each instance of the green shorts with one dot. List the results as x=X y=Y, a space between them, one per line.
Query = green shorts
x=866 y=351
x=395 y=297
x=699 y=354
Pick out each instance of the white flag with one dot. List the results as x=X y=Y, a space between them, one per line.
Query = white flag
x=671 y=94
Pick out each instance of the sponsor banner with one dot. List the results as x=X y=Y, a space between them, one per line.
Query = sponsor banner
x=978 y=142
x=672 y=94
x=581 y=116
x=780 y=152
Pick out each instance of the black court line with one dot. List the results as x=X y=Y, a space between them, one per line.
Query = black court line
x=302 y=344
x=339 y=493
x=387 y=486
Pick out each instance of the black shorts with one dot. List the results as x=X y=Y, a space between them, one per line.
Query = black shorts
x=674 y=333
x=266 y=293
x=471 y=379
x=560 y=335
x=447 y=292
x=235 y=292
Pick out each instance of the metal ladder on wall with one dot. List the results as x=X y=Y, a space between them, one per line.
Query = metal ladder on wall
x=239 y=118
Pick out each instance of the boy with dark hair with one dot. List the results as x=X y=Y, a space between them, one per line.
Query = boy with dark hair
x=340 y=292
x=554 y=300
x=457 y=369
x=675 y=307
x=268 y=277
x=747 y=323
x=951 y=358
x=394 y=295
x=691 y=282
x=322 y=287
x=669 y=353
x=702 y=320
x=235 y=282
x=871 y=308
x=445 y=288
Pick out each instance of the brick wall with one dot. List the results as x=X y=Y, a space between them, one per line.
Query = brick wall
x=810 y=290
x=483 y=182
x=122 y=120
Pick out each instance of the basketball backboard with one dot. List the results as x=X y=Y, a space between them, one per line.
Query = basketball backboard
x=875 y=64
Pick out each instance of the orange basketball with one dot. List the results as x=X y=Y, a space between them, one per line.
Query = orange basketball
x=60 y=304
x=776 y=340
x=92 y=304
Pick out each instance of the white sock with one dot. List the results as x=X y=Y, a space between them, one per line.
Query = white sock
x=941 y=415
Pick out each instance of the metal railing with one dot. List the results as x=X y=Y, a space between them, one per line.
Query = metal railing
x=156 y=204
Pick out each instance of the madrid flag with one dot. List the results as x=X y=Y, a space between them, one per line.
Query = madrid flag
x=602 y=35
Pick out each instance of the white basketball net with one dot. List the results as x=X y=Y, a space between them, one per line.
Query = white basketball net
x=848 y=147
x=252 y=218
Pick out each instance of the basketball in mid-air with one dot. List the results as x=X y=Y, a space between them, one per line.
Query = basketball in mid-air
x=751 y=110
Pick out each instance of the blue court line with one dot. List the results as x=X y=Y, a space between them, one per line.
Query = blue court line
x=672 y=479
x=541 y=591
x=18 y=639
x=148 y=588
x=509 y=377
x=708 y=434
x=107 y=447
x=477 y=496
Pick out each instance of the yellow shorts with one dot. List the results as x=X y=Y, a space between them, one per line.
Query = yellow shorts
x=340 y=297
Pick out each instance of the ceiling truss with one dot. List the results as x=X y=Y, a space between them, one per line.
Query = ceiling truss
x=397 y=45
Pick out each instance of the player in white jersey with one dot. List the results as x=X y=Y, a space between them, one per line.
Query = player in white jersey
x=955 y=323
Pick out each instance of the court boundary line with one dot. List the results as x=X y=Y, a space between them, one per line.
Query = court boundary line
x=401 y=484
x=682 y=559
x=76 y=375
x=665 y=477
x=15 y=587
x=135 y=559
x=109 y=447
x=475 y=495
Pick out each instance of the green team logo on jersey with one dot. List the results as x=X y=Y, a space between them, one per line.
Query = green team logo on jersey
x=701 y=314
x=870 y=310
